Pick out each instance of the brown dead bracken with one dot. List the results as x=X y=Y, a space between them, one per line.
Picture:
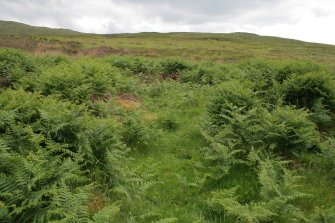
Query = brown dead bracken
x=129 y=102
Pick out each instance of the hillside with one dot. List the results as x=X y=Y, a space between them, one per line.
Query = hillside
x=20 y=29
x=166 y=128
x=194 y=46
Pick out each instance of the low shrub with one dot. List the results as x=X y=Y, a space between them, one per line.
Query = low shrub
x=135 y=65
x=82 y=81
x=238 y=117
x=288 y=68
x=50 y=122
x=230 y=98
x=41 y=187
x=14 y=65
x=136 y=133
x=168 y=123
x=66 y=81
x=284 y=131
x=275 y=201
x=312 y=91
x=52 y=60
x=203 y=75
x=172 y=67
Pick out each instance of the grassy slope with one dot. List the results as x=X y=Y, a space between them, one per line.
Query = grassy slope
x=194 y=46
x=15 y=28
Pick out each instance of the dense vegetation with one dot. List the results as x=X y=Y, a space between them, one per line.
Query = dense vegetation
x=133 y=139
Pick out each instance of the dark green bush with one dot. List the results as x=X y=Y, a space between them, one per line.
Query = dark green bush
x=289 y=130
x=269 y=76
x=120 y=62
x=14 y=65
x=203 y=75
x=52 y=122
x=274 y=201
x=98 y=136
x=168 y=68
x=287 y=69
x=259 y=71
x=69 y=82
x=50 y=61
x=106 y=78
x=238 y=117
x=136 y=134
x=168 y=123
x=41 y=187
x=265 y=72
x=283 y=131
x=156 y=90
x=143 y=66
x=83 y=81
x=313 y=91
x=303 y=91
x=172 y=67
x=103 y=77
x=230 y=98
x=136 y=65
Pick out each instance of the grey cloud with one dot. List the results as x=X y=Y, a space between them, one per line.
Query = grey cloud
x=187 y=12
x=212 y=7
x=200 y=12
x=321 y=12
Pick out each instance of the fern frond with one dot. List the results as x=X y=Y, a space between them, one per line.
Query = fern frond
x=226 y=202
x=108 y=214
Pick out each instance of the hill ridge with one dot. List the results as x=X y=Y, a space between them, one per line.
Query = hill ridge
x=22 y=29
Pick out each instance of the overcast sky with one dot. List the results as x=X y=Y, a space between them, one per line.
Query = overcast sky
x=309 y=20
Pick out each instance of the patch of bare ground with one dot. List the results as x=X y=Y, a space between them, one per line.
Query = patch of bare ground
x=96 y=97
x=97 y=202
x=129 y=102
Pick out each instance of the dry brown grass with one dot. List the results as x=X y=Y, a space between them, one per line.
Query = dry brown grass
x=129 y=102
x=98 y=202
x=106 y=97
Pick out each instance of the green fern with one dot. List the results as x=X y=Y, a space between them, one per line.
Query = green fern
x=322 y=215
x=167 y=220
x=107 y=215
x=226 y=202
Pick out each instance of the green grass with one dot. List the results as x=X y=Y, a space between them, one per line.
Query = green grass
x=174 y=155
